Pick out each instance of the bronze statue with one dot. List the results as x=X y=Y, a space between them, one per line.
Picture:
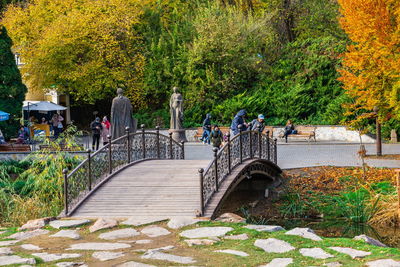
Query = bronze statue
x=176 y=110
x=121 y=115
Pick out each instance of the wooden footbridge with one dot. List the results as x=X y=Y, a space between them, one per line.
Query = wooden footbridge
x=145 y=174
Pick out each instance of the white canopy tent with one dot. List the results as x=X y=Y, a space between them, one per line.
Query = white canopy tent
x=41 y=106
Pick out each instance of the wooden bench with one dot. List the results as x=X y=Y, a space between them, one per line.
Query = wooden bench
x=307 y=132
x=226 y=129
x=15 y=148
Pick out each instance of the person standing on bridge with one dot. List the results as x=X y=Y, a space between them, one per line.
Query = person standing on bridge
x=258 y=124
x=239 y=120
x=206 y=129
x=96 y=131
x=216 y=137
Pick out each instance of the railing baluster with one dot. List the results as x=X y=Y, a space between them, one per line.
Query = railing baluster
x=89 y=170
x=143 y=141
x=251 y=143
x=201 y=175
x=229 y=152
x=128 y=145
x=240 y=143
x=275 y=151
x=183 y=150
x=109 y=155
x=215 y=150
x=170 y=145
x=268 y=147
x=65 y=172
x=259 y=141
x=158 y=141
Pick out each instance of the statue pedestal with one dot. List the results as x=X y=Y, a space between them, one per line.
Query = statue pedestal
x=178 y=135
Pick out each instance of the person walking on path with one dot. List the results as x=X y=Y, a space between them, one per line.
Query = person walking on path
x=238 y=120
x=96 y=131
x=216 y=137
x=258 y=124
x=206 y=129
x=105 y=130
x=289 y=129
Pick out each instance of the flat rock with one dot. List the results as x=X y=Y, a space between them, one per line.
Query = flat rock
x=36 y=224
x=230 y=217
x=2 y=232
x=370 y=240
x=273 y=245
x=107 y=255
x=384 y=263
x=14 y=259
x=118 y=234
x=5 y=251
x=316 y=253
x=353 y=253
x=206 y=232
x=134 y=264
x=98 y=246
x=46 y=257
x=143 y=241
x=233 y=252
x=68 y=223
x=199 y=242
x=237 y=237
x=158 y=255
x=265 y=228
x=154 y=231
x=279 y=262
x=304 y=232
x=30 y=247
x=71 y=264
x=28 y=234
x=8 y=243
x=103 y=223
x=161 y=249
x=179 y=222
x=73 y=234
x=333 y=264
x=141 y=221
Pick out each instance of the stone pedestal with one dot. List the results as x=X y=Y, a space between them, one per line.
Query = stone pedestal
x=393 y=136
x=178 y=135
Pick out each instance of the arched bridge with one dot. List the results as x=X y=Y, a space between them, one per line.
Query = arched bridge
x=145 y=174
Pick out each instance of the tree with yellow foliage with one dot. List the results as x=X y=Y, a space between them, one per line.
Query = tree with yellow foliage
x=82 y=47
x=371 y=65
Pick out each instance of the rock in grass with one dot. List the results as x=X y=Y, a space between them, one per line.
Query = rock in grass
x=68 y=223
x=265 y=228
x=28 y=234
x=134 y=264
x=98 y=246
x=384 y=263
x=118 y=234
x=103 y=224
x=107 y=255
x=73 y=234
x=273 y=245
x=71 y=264
x=46 y=257
x=143 y=241
x=8 y=243
x=206 y=232
x=304 y=232
x=370 y=240
x=36 y=224
x=230 y=217
x=316 y=253
x=154 y=231
x=333 y=264
x=237 y=237
x=30 y=247
x=158 y=255
x=5 y=251
x=14 y=259
x=141 y=221
x=179 y=222
x=353 y=253
x=279 y=262
x=199 y=242
x=233 y=252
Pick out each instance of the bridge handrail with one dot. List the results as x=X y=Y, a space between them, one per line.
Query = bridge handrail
x=243 y=146
x=98 y=166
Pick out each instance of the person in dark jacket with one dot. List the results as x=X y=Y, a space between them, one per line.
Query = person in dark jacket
x=258 y=124
x=216 y=136
x=289 y=129
x=206 y=129
x=96 y=132
x=239 y=120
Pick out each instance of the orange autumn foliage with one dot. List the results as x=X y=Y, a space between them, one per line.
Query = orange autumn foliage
x=371 y=65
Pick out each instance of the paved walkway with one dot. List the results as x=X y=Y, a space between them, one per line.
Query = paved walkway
x=298 y=155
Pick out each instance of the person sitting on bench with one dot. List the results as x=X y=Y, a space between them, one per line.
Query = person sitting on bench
x=289 y=129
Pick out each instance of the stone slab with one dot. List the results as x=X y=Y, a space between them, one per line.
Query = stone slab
x=143 y=241
x=273 y=245
x=47 y=257
x=107 y=255
x=154 y=231
x=119 y=234
x=353 y=253
x=8 y=243
x=103 y=223
x=384 y=263
x=158 y=255
x=333 y=264
x=230 y=217
x=71 y=264
x=369 y=240
x=142 y=221
x=28 y=234
x=206 y=232
x=199 y=242
x=233 y=252
x=237 y=237
x=265 y=228
x=179 y=222
x=14 y=259
x=73 y=234
x=279 y=262
x=316 y=253
x=134 y=264
x=304 y=232
x=5 y=251
x=98 y=246
x=68 y=223
x=30 y=247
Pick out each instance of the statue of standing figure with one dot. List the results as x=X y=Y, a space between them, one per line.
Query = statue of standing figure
x=176 y=110
x=121 y=115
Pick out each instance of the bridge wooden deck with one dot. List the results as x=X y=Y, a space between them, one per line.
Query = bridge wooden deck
x=155 y=187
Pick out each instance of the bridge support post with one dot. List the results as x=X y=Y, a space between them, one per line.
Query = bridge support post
x=89 y=170
x=215 y=150
x=229 y=152
x=268 y=146
x=170 y=145
x=183 y=150
x=259 y=142
x=65 y=172
x=158 y=141
x=109 y=155
x=128 y=145
x=251 y=143
x=143 y=141
x=240 y=144
x=201 y=175
x=275 y=151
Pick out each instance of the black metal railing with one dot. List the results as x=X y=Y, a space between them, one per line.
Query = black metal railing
x=130 y=148
x=245 y=145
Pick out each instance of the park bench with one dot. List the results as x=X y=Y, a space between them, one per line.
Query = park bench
x=225 y=130
x=307 y=132
x=15 y=148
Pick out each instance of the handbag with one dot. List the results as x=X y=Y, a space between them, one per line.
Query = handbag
x=59 y=125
